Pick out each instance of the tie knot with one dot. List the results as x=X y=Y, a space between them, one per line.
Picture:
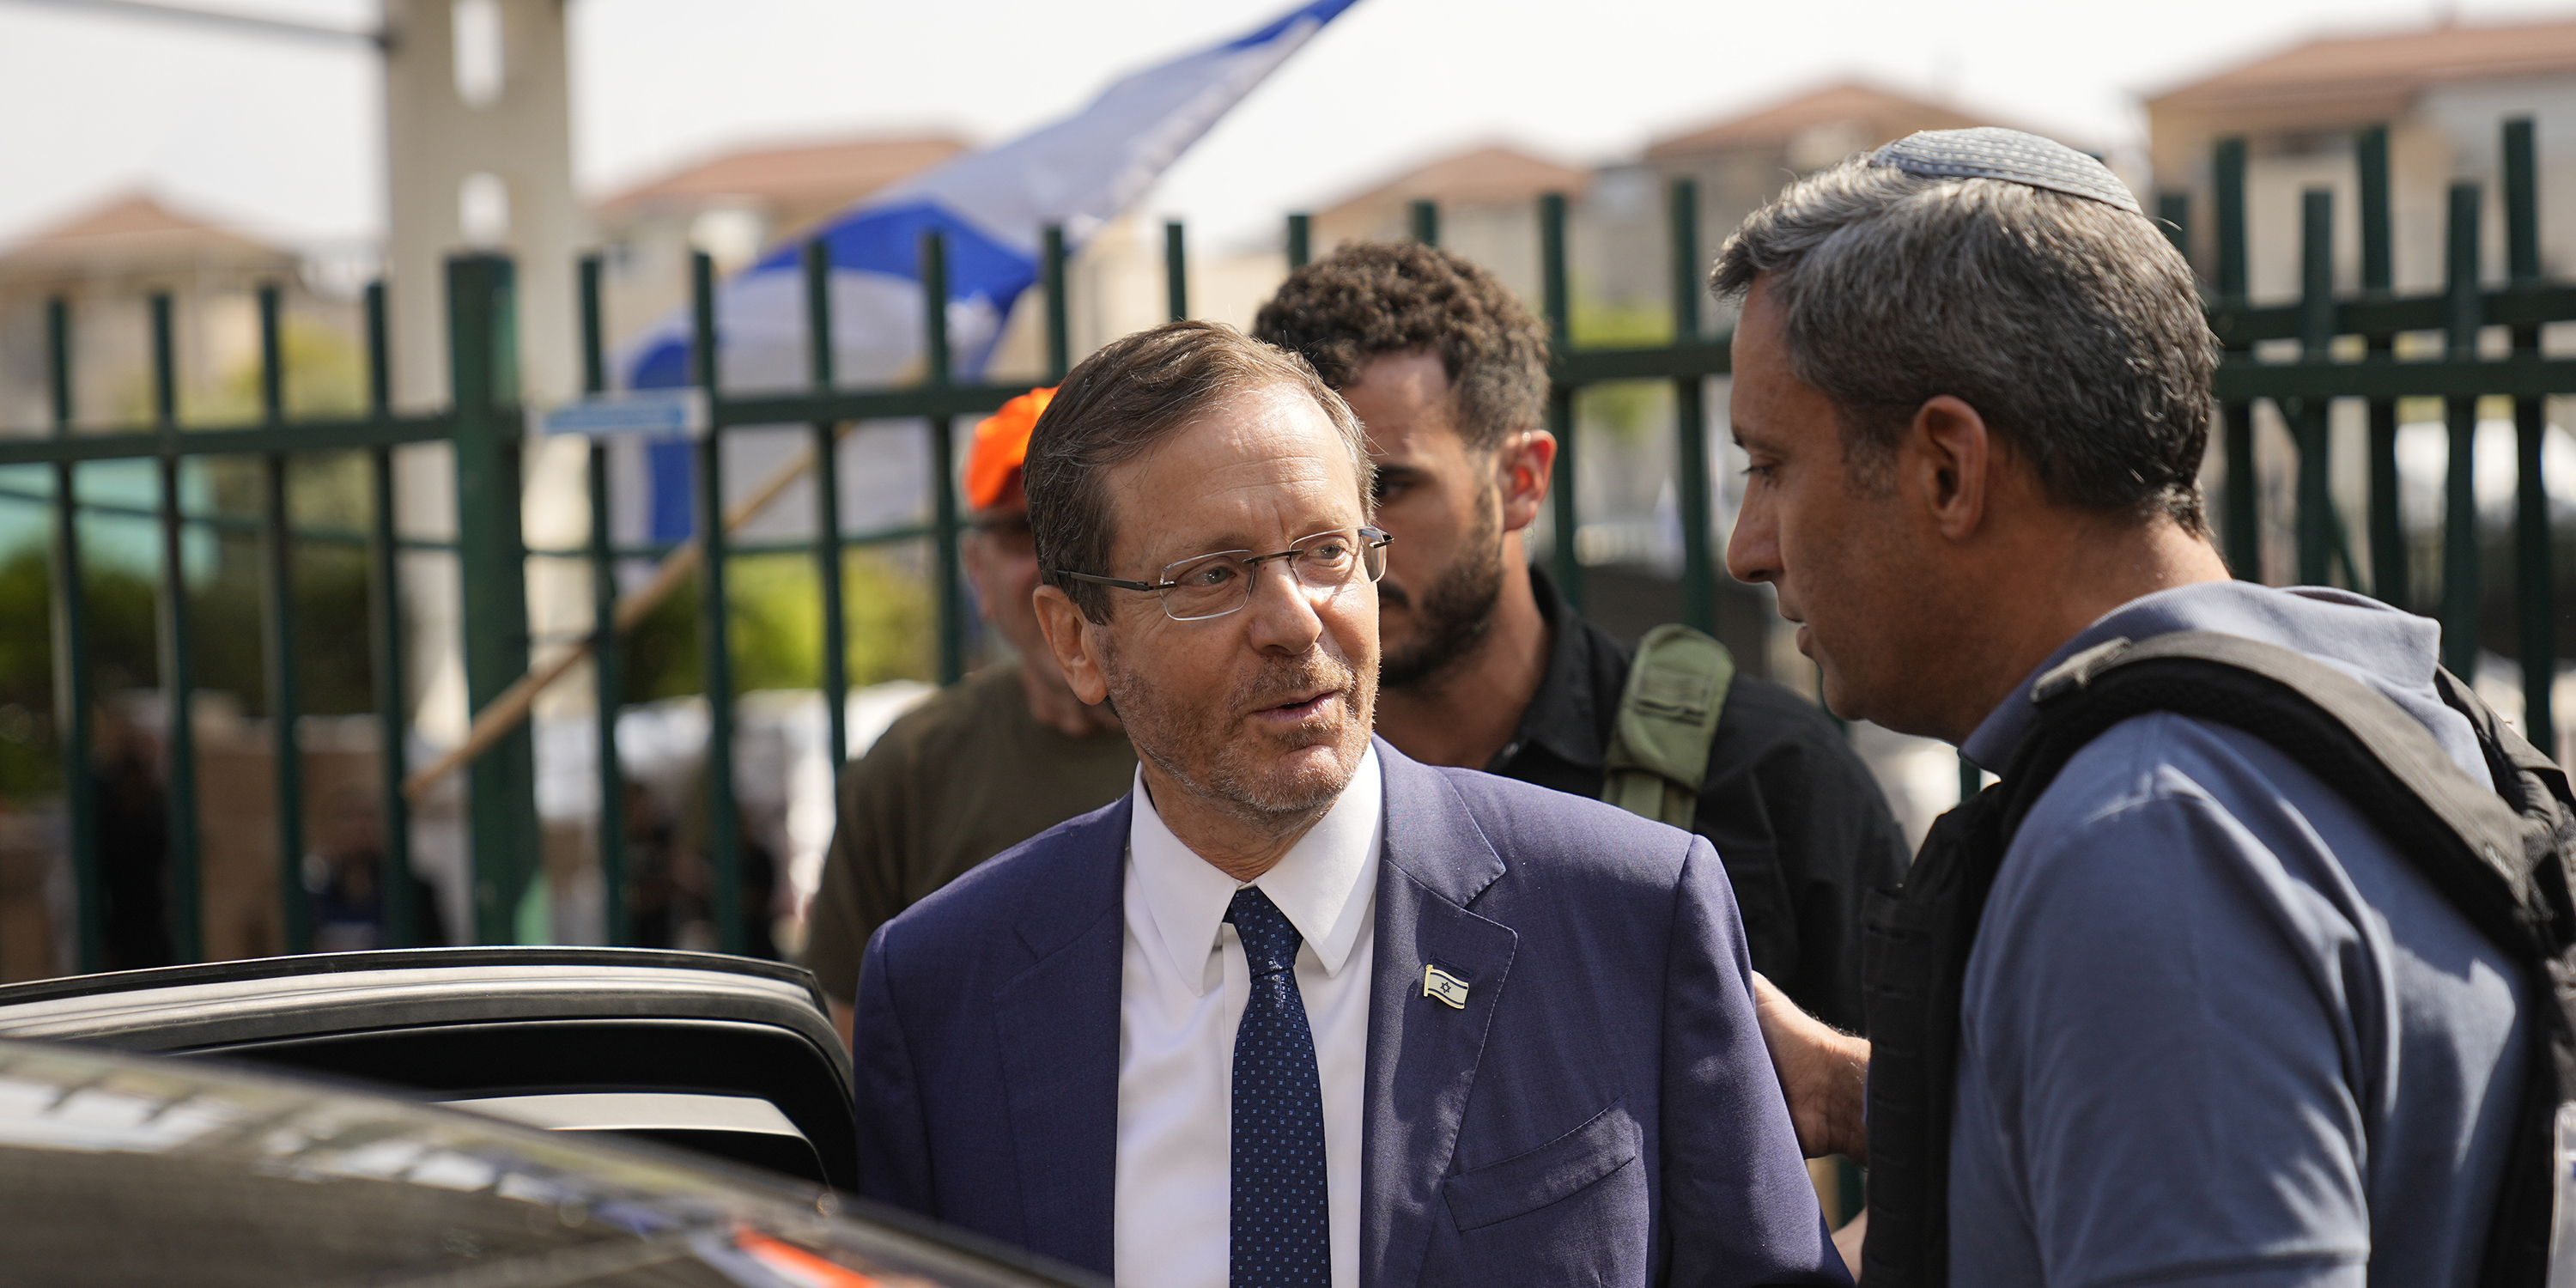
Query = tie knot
x=1269 y=939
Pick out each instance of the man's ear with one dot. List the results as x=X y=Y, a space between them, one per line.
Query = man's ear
x=1948 y=461
x=1068 y=636
x=1523 y=468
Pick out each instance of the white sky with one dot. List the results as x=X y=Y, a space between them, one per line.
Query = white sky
x=282 y=136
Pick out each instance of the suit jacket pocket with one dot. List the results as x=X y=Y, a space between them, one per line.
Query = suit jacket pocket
x=1548 y=1174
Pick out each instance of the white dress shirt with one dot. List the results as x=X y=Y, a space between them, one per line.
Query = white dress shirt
x=1181 y=992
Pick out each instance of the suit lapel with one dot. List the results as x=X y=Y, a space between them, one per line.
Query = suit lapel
x=1422 y=1053
x=1058 y=1038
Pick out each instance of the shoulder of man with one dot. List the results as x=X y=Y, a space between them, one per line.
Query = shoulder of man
x=1554 y=836
x=1057 y=879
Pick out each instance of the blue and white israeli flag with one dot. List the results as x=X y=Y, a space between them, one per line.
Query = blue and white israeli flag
x=993 y=206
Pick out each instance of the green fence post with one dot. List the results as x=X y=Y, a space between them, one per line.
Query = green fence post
x=2459 y=487
x=1176 y=270
x=178 y=685
x=1423 y=219
x=1690 y=417
x=277 y=617
x=2316 y=344
x=827 y=509
x=491 y=556
x=70 y=613
x=2388 y=554
x=715 y=647
x=385 y=630
x=607 y=674
x=2242 y=526
x=943 y=461
x=1301 y=234
x=2534 y=592
x=1567 y=564
x=1059 y=308
x=2173 y=219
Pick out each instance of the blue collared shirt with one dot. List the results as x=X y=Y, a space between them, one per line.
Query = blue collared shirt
x=2215 y=1030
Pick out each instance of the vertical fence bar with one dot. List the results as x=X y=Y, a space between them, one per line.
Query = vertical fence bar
x=943 y=463
x=827 y=509
x=1690 y=417
x=607 y=662
x=2534 y=591
x=2459 y=487
x=2316 y=518
x=2388 y=554
x=491 y=560
x=1059 y=308
x=715 y=649
x=70 y=612
x=385 y=630
x=1176 y=270
x=1423 y=218
x=277 y=617
x=1567 y=565
x=178 y=684
x=1301 y=238
x=2241 y=528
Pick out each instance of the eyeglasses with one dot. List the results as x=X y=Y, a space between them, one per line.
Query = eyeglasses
x=1213 y=585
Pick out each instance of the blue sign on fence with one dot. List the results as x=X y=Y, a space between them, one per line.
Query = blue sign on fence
x=639 y=413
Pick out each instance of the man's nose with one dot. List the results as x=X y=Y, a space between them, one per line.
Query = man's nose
x=1753 y=550
x=1281 y=611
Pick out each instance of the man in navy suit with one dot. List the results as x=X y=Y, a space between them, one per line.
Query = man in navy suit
x=1299 y=1010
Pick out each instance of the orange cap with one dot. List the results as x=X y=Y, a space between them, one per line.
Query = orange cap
x=1001 y=443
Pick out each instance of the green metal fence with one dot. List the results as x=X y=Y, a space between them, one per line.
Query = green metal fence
x=483 y=425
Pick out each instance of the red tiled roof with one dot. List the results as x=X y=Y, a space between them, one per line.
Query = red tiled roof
x=1481 y=177
x=132 y=227
x=2399 y=63
x=828 y=173
x=1783 y=121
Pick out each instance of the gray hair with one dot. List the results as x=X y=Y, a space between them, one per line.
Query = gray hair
x=2072 y=326
x=1125 y=399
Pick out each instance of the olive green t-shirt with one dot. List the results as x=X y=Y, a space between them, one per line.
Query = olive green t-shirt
x=960 y=778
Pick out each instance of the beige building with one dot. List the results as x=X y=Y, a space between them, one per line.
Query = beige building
x=2443 y=93
x=107 y=262
x=736 y=206
x=1740 y=162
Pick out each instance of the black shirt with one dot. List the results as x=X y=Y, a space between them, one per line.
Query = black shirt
x=1800 y=825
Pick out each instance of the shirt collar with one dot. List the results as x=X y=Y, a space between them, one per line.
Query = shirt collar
x=1563 y=716
x=1323 y=885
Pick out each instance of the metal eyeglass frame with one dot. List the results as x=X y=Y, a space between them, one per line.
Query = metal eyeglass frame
x=1371 y=539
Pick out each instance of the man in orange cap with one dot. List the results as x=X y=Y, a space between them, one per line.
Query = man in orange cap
x=1003 y=755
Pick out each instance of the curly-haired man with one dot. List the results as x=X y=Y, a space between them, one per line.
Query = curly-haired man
x=1485 y=664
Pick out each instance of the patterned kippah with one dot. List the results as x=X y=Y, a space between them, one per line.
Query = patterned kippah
x=1988 y=152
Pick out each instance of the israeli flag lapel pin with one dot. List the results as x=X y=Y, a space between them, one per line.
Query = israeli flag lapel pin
x=1438 y=983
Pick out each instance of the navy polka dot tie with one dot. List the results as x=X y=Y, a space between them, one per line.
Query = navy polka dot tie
x=1279 y=1232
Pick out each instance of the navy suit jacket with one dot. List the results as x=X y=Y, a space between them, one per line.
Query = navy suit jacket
x=1602 y=1111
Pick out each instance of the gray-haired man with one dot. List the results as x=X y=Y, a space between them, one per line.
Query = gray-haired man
x=2213 y=1028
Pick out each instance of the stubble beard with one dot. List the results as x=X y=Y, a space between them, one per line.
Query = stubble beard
x=1197 y=744
x=1455 y=612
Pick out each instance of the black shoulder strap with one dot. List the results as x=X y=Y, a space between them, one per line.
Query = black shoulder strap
x=2464 y=837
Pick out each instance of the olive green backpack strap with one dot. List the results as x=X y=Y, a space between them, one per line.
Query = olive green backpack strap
x=1658 y=754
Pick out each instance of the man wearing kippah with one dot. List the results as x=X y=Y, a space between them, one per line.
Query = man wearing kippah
x=2211 y=1025
x=1002 y=756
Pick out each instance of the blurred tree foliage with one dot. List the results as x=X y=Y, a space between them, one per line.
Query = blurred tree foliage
x=225 y=632
x=777 y=627
x=1626 y=408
